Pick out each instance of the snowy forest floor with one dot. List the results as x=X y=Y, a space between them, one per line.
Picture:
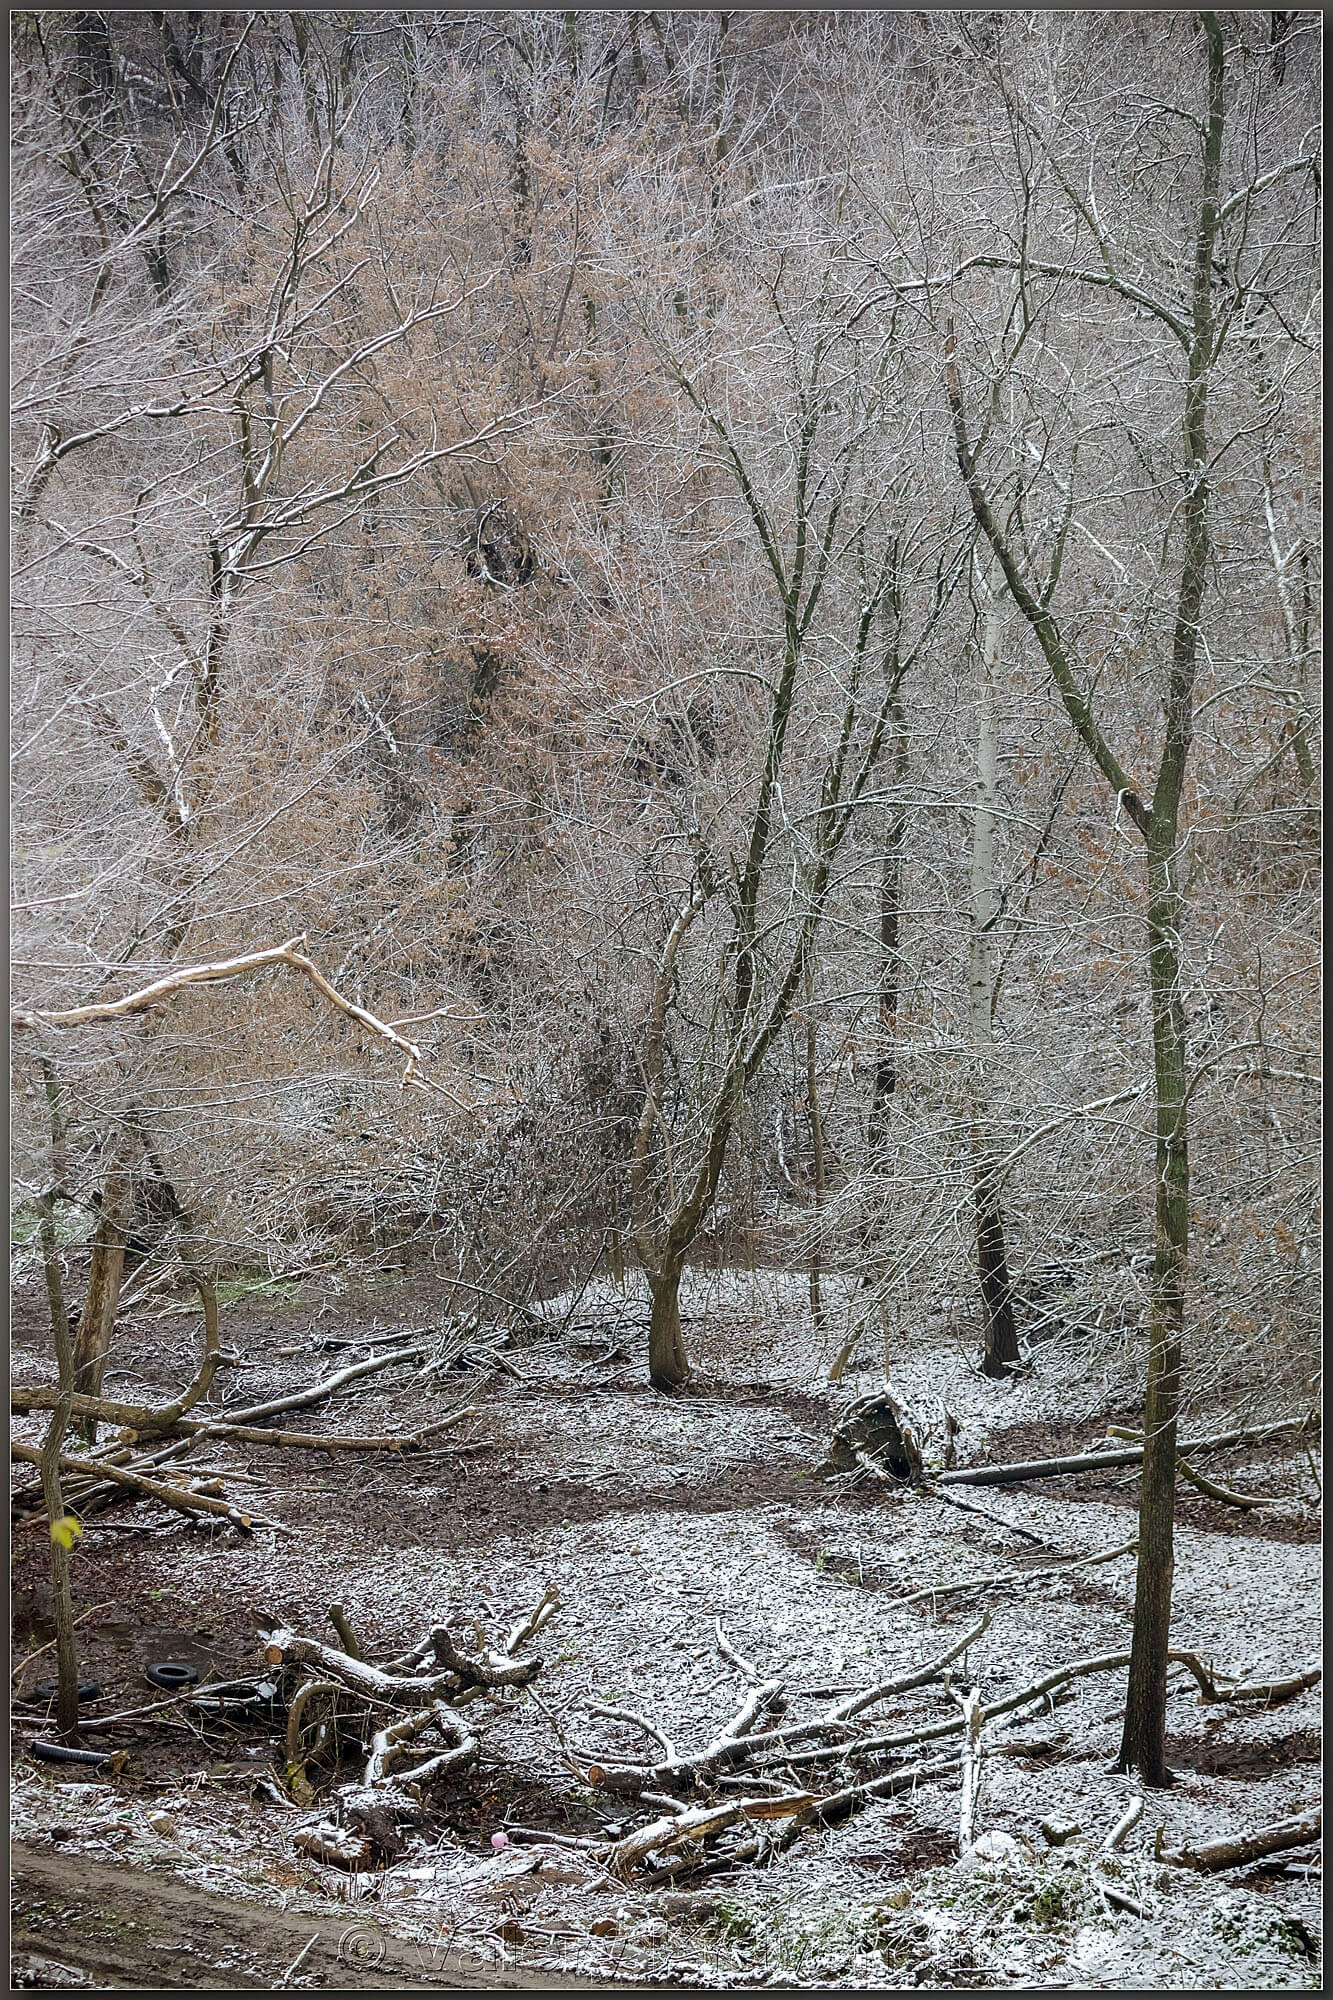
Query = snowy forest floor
x=653 y=1517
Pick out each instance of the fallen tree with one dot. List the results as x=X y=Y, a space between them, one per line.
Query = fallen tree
x=1215 y=1855
x=119 y=1472
x=1096 y=1461
x=759 y=1748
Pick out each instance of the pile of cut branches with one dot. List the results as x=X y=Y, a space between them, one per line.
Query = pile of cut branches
x=403 y=1722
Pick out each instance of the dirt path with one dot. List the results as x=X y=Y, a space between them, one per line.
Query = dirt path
x=75 y=1921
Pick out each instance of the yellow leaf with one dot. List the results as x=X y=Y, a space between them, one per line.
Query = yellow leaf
x=66 y=1531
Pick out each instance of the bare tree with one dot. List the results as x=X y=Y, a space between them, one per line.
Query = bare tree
x=1224 y=227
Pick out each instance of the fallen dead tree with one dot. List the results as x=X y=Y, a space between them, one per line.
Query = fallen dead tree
x=121 y=1471
x=146 y=1421
x=1097 y=1461
x=1215 y=1855
x=340 y=1705
x=762 y=1779
x=139 y=1487
x=778 y=1769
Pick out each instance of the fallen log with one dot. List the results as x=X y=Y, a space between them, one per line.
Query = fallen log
x=974 y=1719
x=177 y=1497
x=742 y=1743
x=691 y=1827
x=184 y=1432
x=1208 y=1487
x=1213 y=1855
x=140 y=1416
x=1284 y=1688
x=422 y=1690
x=1096 y=1461
x=1127 y=1821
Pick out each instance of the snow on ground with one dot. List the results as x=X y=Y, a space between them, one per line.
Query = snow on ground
x=656 y=1517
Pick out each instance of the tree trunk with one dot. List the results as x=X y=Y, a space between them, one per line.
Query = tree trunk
x=890 y=902
x=816 y=1140
x=1143 y=1745
x=667 y=1365
x=93 y=1339
x=999 y=1334
x=1143 y=1742
x=67 y=1659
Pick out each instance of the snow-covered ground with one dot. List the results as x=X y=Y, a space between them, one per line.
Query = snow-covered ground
x=656 y=1518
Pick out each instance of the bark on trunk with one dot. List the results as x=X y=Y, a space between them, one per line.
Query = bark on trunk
x=67 y=1659
x=816 y=1121
x=667 y=1365
x=999 y=1334
x=1143 y=1746
x=999 y=1331
x=890 y=904
x=98 y=1318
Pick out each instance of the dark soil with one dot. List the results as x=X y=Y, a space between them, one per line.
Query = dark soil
x=1215 y=1759
x=114 y=1927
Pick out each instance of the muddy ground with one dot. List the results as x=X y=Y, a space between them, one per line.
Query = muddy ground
x=653 y=1517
